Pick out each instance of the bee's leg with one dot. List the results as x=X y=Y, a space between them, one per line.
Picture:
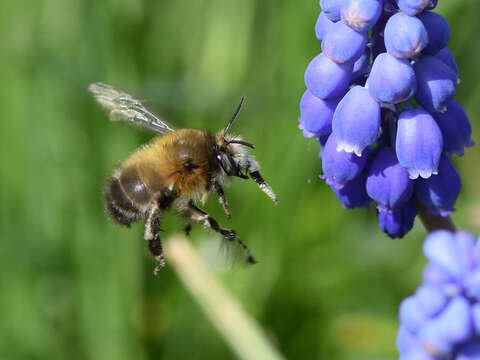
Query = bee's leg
x=187 y=229
x=152 y=228
x=199 y=215
x=223 y=200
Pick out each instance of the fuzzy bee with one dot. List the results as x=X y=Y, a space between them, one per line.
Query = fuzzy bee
x=177 y=168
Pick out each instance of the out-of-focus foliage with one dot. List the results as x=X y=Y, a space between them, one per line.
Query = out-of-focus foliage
x=73 y=285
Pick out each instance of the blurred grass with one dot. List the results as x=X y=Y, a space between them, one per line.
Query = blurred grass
x=75 y=286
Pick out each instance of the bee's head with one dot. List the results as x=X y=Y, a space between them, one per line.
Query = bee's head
x=232 y=156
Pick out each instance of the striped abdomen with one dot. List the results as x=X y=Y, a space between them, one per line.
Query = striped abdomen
x=126 y=196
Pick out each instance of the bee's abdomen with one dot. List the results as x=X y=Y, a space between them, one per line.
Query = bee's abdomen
x=126 y=198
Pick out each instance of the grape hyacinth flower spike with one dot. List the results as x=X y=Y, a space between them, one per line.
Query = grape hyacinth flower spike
x=379 y=100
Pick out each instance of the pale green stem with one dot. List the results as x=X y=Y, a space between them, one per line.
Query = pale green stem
x=238 y=328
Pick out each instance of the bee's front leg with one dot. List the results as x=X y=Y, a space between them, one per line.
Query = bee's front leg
x=198 y=215
x=223 y=200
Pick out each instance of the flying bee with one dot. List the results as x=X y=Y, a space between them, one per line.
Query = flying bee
x=177 y=168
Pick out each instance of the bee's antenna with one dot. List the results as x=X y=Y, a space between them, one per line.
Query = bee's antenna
x=241 y=142
x=235 y=115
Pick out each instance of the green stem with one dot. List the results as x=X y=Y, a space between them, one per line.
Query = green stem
x=240 y=330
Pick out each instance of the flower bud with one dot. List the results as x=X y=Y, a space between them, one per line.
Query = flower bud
x=438 y=31
x=456 y=129
x=442 y=250
x=317 y=114
x=405 y=36
x=340 y=167
x=356 y=121
x=391 y=80
x=431 y=299
x=419 y=143
x=414 y=7
x=398 y=221
x=331 y=8
x=361 y=15
x=446 y=56
x=388 y=183
x=353 y=193
x=322 y=25
x=439 y=193
x=342 y=44
x=436 y=84
x=326 y=79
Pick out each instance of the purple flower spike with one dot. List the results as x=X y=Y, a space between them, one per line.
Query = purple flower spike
x=398 y=221
x=391 y=80
x=419 y=143
x=326 y=79
x=405 y=36
x=322 y=25
x=436 y=84
x=388 y=183
x=331 y=8
x=414 y=7
x=361 y=15
x=356 y=121
x=340 y=167
x=342 y=44
x=456 y=129
x=353 y=194
x=438 y=31
x=439 y=193
x=469 y=351
x=446 y=56
x=317 y=114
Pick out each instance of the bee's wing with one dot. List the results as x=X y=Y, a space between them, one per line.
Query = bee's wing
x=123 y=107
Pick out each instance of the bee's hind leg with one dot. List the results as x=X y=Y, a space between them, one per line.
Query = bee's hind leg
x=152 y=228
x=223 y=200
x=198 y=215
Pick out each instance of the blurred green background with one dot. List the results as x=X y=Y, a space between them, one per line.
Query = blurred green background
x=73 y=285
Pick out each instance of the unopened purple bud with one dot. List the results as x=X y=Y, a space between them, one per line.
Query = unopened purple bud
x=388 y=183
x=419 y=143
x=317 y=114
x=411 y=315
x=456 y=321
x=414 y=7
x=361 y=15
x=417 y=353
x=405 y=340
x=431 y=337
x=438 y=31
x=391 y=80
x=431 y=299
x=353 y=193
x=342 y=44
x=340 y=167
x=469 y=351
x=322 y=25
x=442 y=249
x=436 y=83
x=327 y=79
x=446 y=56
x=331 y=8
x=439 y=193
x=437 y=275
x=405 y=36
x=361 y=66
x=398 y=221
x=456 y=129
x=356 y=121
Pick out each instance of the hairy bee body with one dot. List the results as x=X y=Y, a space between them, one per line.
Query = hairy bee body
x=181 y=161
x=176 y=168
